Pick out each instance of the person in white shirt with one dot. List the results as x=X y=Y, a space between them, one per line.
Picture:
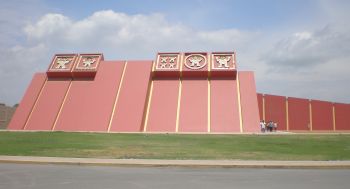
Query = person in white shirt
x=263 y=126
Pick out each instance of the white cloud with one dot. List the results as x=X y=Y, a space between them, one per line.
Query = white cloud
x=313 y=64
x=137 y=35
x=48 y=26
x=303 y=35
x=308 y=63
x=117 y=35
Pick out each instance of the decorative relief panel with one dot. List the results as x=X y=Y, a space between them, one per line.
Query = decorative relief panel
x=61 y=65
x=168 y=61
x=88 y=62
x=87 y=65
x=223 y=61
x=62 y=62
x=195 y=61
x=195 y=64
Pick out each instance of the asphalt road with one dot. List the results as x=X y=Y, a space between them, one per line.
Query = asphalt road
x=86 y=177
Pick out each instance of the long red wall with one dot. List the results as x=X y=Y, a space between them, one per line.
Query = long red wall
x=298 y=114
x=322 y=115
x=275 y=109
x=342 y=116
x=304 y=114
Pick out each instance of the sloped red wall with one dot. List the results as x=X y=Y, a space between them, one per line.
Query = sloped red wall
x=249 y=102
x=194 y=105
x=130 y=108
x=48 y=105
x=163 y=106
x=224 y=111
x=22 y=112
x=89 y=103
x=260 y=105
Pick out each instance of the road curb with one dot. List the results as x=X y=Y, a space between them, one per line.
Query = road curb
x=177 y=163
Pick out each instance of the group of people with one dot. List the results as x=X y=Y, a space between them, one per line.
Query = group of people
x=268 y=127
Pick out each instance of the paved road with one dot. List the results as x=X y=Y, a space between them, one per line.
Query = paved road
x=73 y=176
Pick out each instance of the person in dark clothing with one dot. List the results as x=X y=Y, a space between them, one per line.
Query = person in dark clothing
x=270 y=126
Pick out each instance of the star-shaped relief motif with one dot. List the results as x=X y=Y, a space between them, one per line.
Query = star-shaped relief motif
x=61 y=63
x=88 y=61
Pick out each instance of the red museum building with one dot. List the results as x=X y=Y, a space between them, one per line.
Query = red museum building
x=192 y=92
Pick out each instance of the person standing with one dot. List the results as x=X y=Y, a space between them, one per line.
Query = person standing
x=263 y=126
x=275 y=126
x=270 y=126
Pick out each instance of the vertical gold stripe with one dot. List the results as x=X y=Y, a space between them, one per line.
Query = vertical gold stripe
x=35 y=103
x=239 y=105
x=263 y=101
x=310 y=115
x=209 y=93
x=117 y=97
x=287 y=114
x=178 y=106
x=148 y=106
x=61 y=107
x=209 y=65
x=209 y=105
x=148 y=97
x=182 y=56
x=333 y=108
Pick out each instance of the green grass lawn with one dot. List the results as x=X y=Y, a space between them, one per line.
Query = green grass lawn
x=174 y=146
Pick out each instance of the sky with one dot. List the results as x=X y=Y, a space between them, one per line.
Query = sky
x=296 y=48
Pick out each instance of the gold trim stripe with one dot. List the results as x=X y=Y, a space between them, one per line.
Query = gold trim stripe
x=239 y=105
x=182 y=56
x=149 y=96
x=179 y=94
x=310 y=115
x=117 y=97
x=149 y=100
x=209 y=92
x=178 y=106
x=287 y=114
x=263 y=103
x=209 y=65
x=61 y=107
x=334 y=123
x=209 y=105
x=35 y=103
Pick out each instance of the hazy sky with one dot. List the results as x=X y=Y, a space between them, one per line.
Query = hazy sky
x=296 y=48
